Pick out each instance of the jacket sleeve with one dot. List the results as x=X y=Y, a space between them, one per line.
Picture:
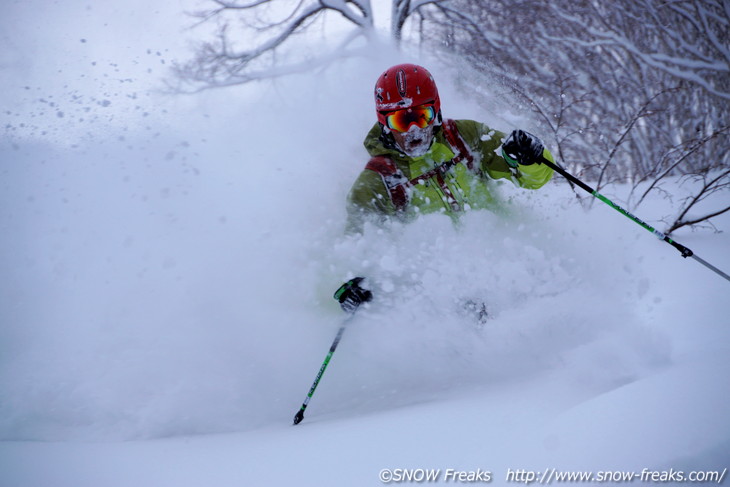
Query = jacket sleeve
x=368 y=200
x=535 y=176
x=486 y=143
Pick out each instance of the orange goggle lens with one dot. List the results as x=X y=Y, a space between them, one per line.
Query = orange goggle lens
x=401 y=120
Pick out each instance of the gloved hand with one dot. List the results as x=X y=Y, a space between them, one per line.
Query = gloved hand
x=351 y=295
x=523 y=148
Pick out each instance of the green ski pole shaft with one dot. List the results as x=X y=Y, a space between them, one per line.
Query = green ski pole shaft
x=300 y=414
x=682 y=249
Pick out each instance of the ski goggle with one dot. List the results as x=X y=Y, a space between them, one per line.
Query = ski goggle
x=401 y=120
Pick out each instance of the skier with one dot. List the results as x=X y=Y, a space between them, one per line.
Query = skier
x=423 y=163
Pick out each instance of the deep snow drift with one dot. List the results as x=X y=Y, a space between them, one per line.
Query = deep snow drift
x=166 y=303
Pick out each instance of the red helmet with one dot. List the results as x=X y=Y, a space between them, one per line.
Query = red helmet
x=405 y=86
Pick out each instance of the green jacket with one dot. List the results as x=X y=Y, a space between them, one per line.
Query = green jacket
x=370 y=198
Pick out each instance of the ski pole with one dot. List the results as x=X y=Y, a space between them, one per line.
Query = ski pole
x=300 y=414
x=684 y=250
x=350 y=295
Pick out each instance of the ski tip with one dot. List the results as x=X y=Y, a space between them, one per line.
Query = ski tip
x=298 y=417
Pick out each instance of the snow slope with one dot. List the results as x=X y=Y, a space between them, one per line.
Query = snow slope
x=166 y=304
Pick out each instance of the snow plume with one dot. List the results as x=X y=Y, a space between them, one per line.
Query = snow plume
x=155 y=283
x=546 y=309
x=181 y=283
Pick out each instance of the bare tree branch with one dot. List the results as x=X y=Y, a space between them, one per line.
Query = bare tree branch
x=402 y=10
x=222 y=62
x=687 y=151
x=711 y=186
x=643 y=111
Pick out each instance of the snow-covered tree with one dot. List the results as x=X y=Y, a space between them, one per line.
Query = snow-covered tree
x=630 y=91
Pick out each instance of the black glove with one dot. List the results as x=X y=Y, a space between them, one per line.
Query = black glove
x=351 y=295
x=522 y=148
